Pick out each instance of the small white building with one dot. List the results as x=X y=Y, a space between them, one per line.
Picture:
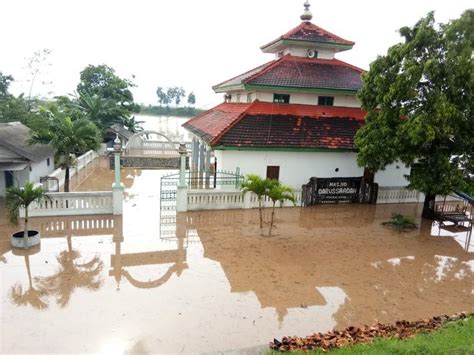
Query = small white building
x=292 y=118
x=19 y=161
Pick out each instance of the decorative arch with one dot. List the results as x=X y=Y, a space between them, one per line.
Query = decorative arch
x=135 y=141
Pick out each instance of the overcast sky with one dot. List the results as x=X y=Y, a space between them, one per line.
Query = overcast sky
x=189 y=43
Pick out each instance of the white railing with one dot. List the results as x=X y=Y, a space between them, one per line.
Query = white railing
x=82 y=162
x=77 y=226
x=229 y=199
x=398 y=195
x=72 y=203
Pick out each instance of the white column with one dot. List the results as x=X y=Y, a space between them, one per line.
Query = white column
x=117 y=187
x=182 y=192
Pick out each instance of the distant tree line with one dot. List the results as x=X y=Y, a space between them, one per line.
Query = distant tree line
x=175 y=94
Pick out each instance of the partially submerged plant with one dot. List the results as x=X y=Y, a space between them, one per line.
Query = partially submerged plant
x=278 y=192
x=257 y=185
x=22 y=197
x=400 y=222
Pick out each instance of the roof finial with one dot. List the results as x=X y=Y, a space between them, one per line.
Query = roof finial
x=307 y=15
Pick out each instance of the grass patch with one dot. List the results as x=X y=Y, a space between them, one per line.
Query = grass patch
x=453 y=338
x=400 y=222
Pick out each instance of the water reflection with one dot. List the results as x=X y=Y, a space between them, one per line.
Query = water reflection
x=71 y=275
x=120 y=261
x=31 y=296
x=338 y=246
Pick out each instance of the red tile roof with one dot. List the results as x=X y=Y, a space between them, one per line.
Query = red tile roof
x=265 y=124
x=299 y=72
x=211 y=123
x=309 y=32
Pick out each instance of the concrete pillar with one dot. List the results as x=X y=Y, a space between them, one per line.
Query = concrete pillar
x=207 y=166
x=182 y=191
x=201 y=165
x=117 y=186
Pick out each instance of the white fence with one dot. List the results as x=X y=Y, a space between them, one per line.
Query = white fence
x=229 y=199
x=399 y=195
x=72 y=203
x=233 y=199
x=83 y=162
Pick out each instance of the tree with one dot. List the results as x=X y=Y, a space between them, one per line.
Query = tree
x=69 y=138
x=73 y=273
x=22 y=197
x=5 y=81
x=276 y=191
x=192 y=98
x=101 y=83
x=36 y=66
x=179 y=94
x=420 y=107
x=257 y=185
x=12 y=108
x=163 y=98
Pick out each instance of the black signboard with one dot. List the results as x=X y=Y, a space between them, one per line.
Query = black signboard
x=335 y=190
x=338 y=189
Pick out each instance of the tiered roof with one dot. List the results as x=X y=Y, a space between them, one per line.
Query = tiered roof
x=298 y=73
x=310 y=33
x=270 y=125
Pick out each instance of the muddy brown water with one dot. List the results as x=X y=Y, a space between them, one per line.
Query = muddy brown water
x=210 y=281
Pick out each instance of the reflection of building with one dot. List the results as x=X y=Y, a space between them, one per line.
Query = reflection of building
x=19 y=161
x=120 y=261
x=385 y=275
x=292 y=118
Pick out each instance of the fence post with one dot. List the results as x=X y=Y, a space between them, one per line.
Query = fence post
x=182 y=191
x=247 y=200
x=237 y=177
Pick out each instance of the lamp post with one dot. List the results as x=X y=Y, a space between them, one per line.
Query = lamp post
x=182 y=192
x=117 y=186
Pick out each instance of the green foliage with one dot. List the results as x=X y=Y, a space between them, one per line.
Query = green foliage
x=276 y=191
x=174 y=94
x=13 y=108
x=163 y=98
x=257 y=185
x=170 y=111
x=420 y=107
x=106 y=98
x=68 y=137
x=17 y=198
x=453 y=338
x=400 y=222
x=5 y=81
x=273 y=189
x=192 y=98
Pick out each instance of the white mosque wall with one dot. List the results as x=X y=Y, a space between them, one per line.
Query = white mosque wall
x=302 y=52
x=298 y=98
x=297 y=167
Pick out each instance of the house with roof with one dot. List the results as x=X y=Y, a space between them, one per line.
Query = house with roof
x=292 y=118
x=19 y=161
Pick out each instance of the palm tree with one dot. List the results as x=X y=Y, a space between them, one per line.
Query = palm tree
x=68 y=137
x=22 y=197
x=257 y=185
x=30 y=296
x=278 y=192
x=71 y=275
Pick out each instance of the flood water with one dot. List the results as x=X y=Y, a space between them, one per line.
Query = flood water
x=210 y=281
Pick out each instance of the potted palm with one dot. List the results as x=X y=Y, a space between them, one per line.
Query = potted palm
x=22 y=197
